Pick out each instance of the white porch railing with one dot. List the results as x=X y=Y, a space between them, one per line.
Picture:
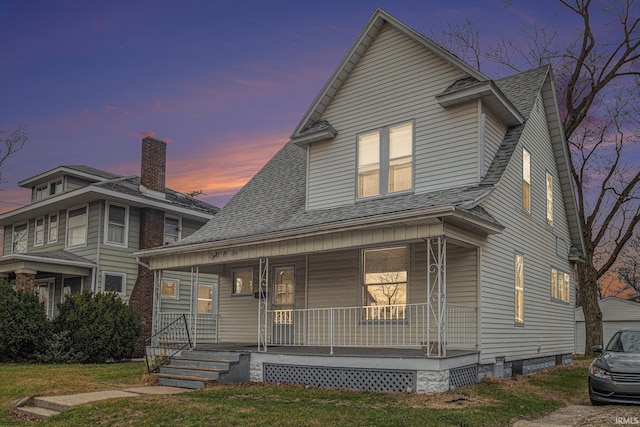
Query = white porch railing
x=376 y=326
x=205 y=329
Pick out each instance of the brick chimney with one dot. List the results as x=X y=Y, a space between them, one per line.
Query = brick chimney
x=153 y=165
x=152 y=179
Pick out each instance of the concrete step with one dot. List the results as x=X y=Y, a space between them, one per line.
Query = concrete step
x=210 y=355
x=182 y=381
x=36 y=413
x=201 y=363
x=49 y=403
x=211 y=374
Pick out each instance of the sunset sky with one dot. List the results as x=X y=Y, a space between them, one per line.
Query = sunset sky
x=223 y=82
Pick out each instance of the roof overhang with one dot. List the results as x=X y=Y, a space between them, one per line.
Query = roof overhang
x=492 y=98
x=57 y=173
x=92 y=193
x=33 y=262
x=315 y=134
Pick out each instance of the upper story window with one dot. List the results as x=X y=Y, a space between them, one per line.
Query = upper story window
x=38 y=237
x=53 y=228
x=385 y=160
x=19 y=238
x=171 y=229
x=526 y=180
x=49 y=189
x=519 y=289
x=116 y=225
x=549 y=199
x=77 y=227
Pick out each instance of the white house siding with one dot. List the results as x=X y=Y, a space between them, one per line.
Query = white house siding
x=546 y=321
x=395 y=81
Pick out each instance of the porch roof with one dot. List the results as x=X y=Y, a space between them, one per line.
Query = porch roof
x=58 y=261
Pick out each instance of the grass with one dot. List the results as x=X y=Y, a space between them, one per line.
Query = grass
x=490 y=403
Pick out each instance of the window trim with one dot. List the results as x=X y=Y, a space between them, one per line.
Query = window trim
x=384 y=160
x=233 y=281
x=526 y=198
x=107 y=223
x=13 y=237
x=549 y=198
x=177 y=294
x=518 y=297
x=49 y=239
x=164 y=241
x=118 y=274
x=86 y=225
x=35 y=231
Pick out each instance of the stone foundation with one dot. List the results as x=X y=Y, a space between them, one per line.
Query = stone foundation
x=432 y=381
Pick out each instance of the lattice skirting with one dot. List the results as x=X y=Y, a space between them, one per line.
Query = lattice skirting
x=344 y=378
x=460 y=377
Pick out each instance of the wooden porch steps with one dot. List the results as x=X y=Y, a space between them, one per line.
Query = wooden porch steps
x=197 y=368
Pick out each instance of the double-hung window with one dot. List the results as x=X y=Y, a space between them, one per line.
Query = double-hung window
x=385 y=283
x=549 y=199
x=38 y=237
x=559 y=285
x=205 y=299
x=171 y=230
x=19 y=238
x=385 y=160
x=77 y=227
x=170 y=288
x=116 y=227
x=53 y=228
x=519 y=289
x=114 y=282
x=526 y=180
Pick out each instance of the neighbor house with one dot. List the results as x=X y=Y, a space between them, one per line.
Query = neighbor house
x=83 y=225
x=617 y=313
x=417 y=232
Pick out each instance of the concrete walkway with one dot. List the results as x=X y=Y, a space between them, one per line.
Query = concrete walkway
x=46 y=406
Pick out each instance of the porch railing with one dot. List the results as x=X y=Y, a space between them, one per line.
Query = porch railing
x=167 y=342
x=205 y=328
x=392 y=326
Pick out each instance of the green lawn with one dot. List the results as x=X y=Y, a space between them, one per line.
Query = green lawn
x=492 y=402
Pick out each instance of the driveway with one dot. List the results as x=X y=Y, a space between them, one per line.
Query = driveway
x=587 y=415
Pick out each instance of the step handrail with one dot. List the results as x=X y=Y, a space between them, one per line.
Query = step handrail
x=169 y=342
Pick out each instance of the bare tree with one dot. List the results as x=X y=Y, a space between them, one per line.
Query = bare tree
x=10 y=143
x=629 y=267
x=598 y=82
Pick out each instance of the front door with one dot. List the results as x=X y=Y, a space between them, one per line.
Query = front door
x=282 y=297
x=46 y=295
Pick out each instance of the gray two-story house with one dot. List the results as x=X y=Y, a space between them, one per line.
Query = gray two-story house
x=83 y=225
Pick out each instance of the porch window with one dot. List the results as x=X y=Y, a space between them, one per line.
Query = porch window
x=559 y=285
x=549 y=199
x=20 y=238
x=116 y=226
x=526 y=180
x=385 y=283
x=242 y=281
x=170 y=288
x=283 y=294
x=385 y=160
x=171 y=230
x=205 y=299
x=38 y=238
x=53 y=228
x=77 y=227
x=114 y=282
x=519 y=288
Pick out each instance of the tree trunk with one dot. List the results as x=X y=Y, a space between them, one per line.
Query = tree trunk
x=588 y=290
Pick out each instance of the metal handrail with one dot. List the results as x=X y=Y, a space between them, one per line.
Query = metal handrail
x=163 y=345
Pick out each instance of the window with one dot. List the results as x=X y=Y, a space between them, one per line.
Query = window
x=242 y=281
x=385 y=160
x=549 y=199
x=42 y=192
x=205 y=299
x=519 y=287
x=385 y=283
x=38 y=238
x=77 y=227
x=526 y=180
x=116 y=232
x=170 y=288
x=19 y=240
x=559 y=285
x=114 y=282
x=171 y=230
x=53 y=228
x=55 y=187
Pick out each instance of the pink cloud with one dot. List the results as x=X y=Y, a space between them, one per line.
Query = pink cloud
x=113 y=108
x=14 y=198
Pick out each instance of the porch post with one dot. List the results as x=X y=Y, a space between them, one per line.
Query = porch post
x=263 y=304
x=436 y=296
x=155 y=317
x=194 y=334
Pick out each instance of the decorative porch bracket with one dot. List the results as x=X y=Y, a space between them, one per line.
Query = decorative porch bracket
x=436 y=296
x=263 y=305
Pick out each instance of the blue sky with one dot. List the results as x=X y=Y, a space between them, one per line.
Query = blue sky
x=223 y=82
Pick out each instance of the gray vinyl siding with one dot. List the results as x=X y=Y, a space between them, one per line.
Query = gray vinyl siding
x=494 y=131
x=190 y=226
x=182 y=304
x=73 y=183
x=7 y=240
x=334 y=279
x=395 y=81
x=529 y=235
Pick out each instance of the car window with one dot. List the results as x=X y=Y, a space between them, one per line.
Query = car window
x=625 y=341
